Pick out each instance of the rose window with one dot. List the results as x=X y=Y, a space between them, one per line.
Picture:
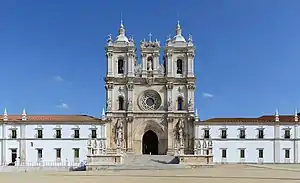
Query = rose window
x=150 y=100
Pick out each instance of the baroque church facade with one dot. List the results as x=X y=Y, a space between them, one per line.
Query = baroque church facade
x=150 y=101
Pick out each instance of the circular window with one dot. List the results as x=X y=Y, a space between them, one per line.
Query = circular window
x=150 y=100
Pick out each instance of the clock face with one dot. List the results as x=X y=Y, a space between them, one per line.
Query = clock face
x=150 y=100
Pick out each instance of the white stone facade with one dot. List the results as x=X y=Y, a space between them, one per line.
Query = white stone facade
x=151 y=96
x=33 y=142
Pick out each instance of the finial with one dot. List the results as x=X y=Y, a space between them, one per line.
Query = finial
x=103 y=114
x=109 y=38
x=196 y=115
x=122 y=20
x=276 y=115
x=5 y=116
x=296 y=114
x=24 y=112
x=150 y=36
x=178 y=24
x=190 y=38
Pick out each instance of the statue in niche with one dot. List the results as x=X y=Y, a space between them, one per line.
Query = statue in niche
x=108 y=104
x=180 y=131
x=129 y=103
x=190 y=104
x=161 y=70
x=138 y=69
x=150 y=64
x=119 y=133
x=170 y=103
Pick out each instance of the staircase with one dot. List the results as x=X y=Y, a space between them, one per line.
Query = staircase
x=149 y=162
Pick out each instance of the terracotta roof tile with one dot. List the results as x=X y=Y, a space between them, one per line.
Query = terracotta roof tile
x=261 y=119
x=53 y=118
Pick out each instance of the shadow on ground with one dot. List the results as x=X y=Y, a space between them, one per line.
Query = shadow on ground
x=175 y=160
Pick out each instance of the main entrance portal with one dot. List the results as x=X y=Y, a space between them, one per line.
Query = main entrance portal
x=150 y=143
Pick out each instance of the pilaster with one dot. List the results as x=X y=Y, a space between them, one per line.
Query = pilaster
x=277 y=144
x=171 y=145
x=296 y=148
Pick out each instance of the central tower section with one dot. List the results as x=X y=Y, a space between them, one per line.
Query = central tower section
x=148 y=100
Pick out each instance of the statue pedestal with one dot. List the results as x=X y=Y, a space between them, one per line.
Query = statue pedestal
x=196 y=160
x=102 y=161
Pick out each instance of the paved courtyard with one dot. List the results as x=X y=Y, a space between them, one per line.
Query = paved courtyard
x=225 y=173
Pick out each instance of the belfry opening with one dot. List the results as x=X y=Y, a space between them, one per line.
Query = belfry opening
x=150 y=143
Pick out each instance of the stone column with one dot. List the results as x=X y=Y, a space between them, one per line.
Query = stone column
x=190 y=64
x=171 y=136
x=129 y=134
x=110 y=65
x=169 y=65
x=130 y=64
x=144 y=65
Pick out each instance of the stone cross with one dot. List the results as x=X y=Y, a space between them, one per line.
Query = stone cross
x=150 y=36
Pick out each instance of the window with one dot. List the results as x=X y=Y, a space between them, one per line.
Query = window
x=76 y=134
x=120 y=66
x=287 y=133
x=224 y=153
x=58 y=134
x=39 y=134
x=40 y=153
x=206 y=133
x=242 y=153
x=94 y=134
x=13 y=134
x=121 y=103
x=180 y=103
x=260 y=133
x=260 y=153
x=242 y=133
x=58 y=153
x=223 y=134
x=179 y=66
x=76 y=153
x=287 y=153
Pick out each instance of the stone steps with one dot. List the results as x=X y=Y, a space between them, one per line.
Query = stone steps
x=148 y=162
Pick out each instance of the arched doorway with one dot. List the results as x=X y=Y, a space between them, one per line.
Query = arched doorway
x=150 y=143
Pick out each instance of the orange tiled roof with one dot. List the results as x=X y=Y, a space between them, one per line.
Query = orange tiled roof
x=261 y=119
x=53 y=118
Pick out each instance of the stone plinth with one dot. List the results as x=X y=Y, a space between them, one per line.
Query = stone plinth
x=196 y=160
x=98 y=162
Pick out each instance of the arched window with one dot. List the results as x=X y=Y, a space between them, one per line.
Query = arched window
x=120 y=66
x=149 y=63
x=179 y=103
x=121 y=103
x=179 y=66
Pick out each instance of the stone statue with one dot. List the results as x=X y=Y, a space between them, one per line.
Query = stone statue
x=170 y=103
x=161 y=70
x=180 y=130
x=108 y=104
x=129 y=103
x=149 y=65
x=119 y=133
x=190 y=104
x=138 y=69
x=89 y=143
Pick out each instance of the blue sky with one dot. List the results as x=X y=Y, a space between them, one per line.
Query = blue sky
x=247 y=58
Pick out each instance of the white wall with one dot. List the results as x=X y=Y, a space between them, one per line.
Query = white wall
x=273 y=144
x=27 y=143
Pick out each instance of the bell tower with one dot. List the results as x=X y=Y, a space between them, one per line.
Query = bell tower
x=121 y=61
x=150 y=52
